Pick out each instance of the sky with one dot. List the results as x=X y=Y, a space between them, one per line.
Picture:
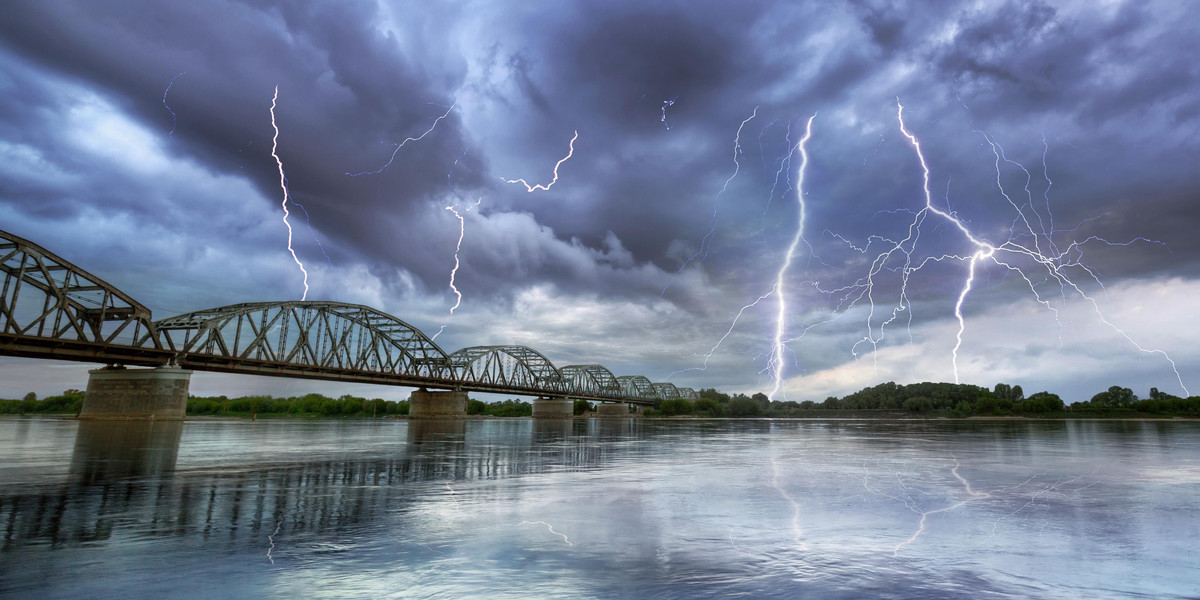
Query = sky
x=691 y=236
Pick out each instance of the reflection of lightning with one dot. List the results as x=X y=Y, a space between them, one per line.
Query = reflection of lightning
x=561 y=535
x=453 y=496
x=402 y=144
x=271 y=538
x=164 y=101
x=666 y=104
x=797 y=533
x=702 y=253
x=570 y=151
x=775 y=364
x=973 y=495
x=283 y=184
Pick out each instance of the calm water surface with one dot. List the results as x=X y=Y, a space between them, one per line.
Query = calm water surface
x=599 y=509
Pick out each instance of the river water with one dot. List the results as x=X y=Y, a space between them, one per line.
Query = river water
x=626 y=508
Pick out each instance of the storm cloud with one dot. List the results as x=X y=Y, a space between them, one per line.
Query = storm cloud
x=135 y=141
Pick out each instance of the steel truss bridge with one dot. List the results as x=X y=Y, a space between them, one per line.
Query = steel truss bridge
x=52 y=309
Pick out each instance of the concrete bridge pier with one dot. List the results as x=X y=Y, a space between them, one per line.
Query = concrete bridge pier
x=424 y=404
x=617 y=409
x=136 y=394
x=553 y=408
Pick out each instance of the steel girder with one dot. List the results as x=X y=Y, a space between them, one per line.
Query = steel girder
x=316 y=335
x=591 y=379
x=688 y=394
x=666 y=391
x=48 y=298
x=637 y=386
x=508 y=366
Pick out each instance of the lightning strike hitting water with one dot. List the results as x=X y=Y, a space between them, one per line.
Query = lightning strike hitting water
x=164 y=102
x=396 y=151
x=528 y=188
x=775 y=364
x=283 y=185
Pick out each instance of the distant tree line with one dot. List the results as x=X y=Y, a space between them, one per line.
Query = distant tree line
x=927 y=399
x=934 y=400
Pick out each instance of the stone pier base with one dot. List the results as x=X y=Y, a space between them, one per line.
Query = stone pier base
x=553 y=408
x=424 y=404
x=136 y=394
x=610 y=409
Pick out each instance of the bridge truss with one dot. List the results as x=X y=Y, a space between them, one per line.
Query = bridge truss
x=50 y=308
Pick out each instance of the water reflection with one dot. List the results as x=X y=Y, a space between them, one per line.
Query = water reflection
x=606 y=508
x=113 y=450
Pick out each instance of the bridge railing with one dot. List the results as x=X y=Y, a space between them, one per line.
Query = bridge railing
x=46 y=298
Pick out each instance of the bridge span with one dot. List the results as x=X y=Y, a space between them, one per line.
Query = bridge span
x=52 y=309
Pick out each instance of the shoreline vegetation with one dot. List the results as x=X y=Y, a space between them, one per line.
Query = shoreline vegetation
x=884 y=401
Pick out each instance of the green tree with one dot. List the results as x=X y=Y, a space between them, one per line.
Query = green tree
x=675 y=406
x=707 y=407
x=741 y=406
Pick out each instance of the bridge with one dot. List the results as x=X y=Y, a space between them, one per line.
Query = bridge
x=52 y=309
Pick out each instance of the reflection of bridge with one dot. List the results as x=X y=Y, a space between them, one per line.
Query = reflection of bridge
x=52 y=309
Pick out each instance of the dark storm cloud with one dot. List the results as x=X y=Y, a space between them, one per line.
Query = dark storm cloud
x=1111 y=89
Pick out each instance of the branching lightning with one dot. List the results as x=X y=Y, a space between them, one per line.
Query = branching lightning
x=705 y=242
x=283 y=185
x=164 y=102
x=775 y=364
x=528 y=188
x=397 y=148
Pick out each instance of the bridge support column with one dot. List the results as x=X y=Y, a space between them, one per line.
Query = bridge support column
x=553 y=408
x=136 y=394
x=614 y=409
x=424 y=404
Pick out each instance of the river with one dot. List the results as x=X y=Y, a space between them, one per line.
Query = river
x=625 y=508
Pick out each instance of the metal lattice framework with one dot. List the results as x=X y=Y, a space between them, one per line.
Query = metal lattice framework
x=297 y=336
x=666 y=391
x=508 y=367
x=50 y=306
x=591 y=379
x=688 y=394
x=637 y=386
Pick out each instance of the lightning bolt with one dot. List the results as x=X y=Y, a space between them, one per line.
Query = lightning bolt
x=528 y=188
x=775 y=364
x=396 y=151
x=1053 y=264
x=283 y=185
x=705 y=243
x=561 y=535
x=665 y=105
x=164 y=102
x=462 y=228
